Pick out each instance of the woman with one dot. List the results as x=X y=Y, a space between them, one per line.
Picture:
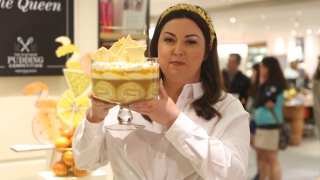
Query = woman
x=252 y=94
x=268 y=104
x=316 y=95
x=249 y=106
x=197 y=130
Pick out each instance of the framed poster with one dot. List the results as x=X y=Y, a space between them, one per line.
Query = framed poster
x=27 y=36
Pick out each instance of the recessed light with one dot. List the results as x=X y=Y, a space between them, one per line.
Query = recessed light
x=296 y=24
x=299 y=12
x=309 y=31
x=293 y=33
x=263 y=16
x=267 y=27
x=233 y=20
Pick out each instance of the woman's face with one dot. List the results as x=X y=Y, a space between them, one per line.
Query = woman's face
x=181 y=50
x=263 y=73
x=254 y=76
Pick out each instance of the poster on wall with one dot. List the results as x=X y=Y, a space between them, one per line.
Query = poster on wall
x=27 y=36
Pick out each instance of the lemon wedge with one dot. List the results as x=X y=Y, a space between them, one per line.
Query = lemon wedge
x=72 y=111
x=78 y=81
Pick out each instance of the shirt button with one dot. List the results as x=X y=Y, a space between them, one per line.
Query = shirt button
x=161 y=156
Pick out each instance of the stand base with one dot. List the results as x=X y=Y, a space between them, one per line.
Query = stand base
x=125 y=127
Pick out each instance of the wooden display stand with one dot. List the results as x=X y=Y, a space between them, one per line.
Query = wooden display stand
x=294 y=116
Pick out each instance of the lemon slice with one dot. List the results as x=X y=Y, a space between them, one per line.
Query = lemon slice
x=64 y=40
x=78 y=81
x=46 y=126
x=66 y=49
x=74 y=61
x=72 y=111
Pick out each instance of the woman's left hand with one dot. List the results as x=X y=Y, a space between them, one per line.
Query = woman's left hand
x=162 y=110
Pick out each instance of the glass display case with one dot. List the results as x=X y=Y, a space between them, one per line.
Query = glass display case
x=118 y=18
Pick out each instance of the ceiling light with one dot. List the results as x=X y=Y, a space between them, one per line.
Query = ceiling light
x=263 y=16
x=233 y=20
x=296 y=24
x=309 y=31
x=293 y=33
x=299 y=12
x=319 y=30
x=267 y=27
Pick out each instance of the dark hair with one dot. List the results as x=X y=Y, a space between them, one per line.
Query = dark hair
x=275 y=74
x=254 y=85
x=210 y=76
x=316 y=74
x=237 y=56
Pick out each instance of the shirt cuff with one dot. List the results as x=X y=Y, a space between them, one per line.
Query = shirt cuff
x=93 y=129
x=180 y=129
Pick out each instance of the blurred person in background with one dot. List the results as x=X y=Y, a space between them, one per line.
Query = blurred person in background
x=268 y=109
x=316 y=96
x=251 y=97
x=296 y=77
x=235 y=81
x=249 y=106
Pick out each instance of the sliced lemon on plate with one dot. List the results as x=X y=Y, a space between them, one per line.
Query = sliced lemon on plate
x=72 y=111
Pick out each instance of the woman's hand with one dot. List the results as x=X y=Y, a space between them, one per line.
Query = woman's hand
x=99 y=109
x=162 y=110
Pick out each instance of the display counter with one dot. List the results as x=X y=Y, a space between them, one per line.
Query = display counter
x=294 y=116
x=294 y=110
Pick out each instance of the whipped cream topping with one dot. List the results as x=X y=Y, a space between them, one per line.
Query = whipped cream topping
x=123 y=66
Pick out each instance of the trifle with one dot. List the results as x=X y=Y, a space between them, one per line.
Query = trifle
x=122 y=74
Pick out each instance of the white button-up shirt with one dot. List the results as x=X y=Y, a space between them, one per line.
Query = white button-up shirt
x=192 y=148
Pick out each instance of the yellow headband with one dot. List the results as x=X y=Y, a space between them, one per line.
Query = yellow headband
x=196 y=10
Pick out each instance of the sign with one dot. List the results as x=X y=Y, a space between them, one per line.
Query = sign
x=27 y=34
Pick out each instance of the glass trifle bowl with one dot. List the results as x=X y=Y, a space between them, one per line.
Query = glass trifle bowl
x=123 y=83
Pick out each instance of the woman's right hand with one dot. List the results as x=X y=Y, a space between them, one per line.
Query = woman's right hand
x=99 y=110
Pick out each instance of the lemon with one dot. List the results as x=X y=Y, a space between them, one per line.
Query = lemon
x=71 y=111
x=66 y=49
x=78 y=81
x=64 y=40
x=74 y=61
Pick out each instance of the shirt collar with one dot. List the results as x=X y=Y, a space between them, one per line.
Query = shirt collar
x=193 y=90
